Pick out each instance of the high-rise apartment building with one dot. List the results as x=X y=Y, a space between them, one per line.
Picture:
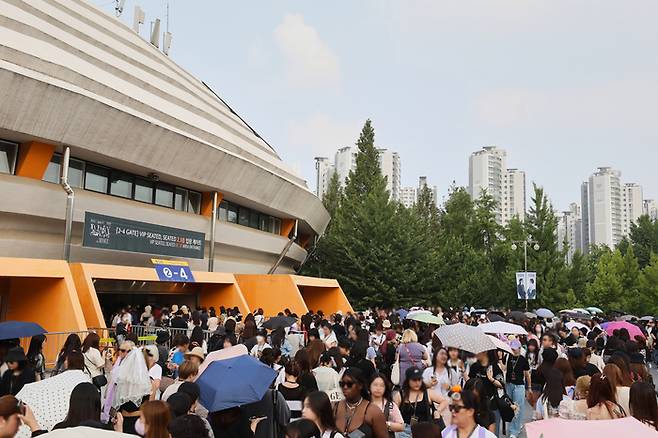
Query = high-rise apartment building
x=408 y=196
x=345 y=161
x=324 y=171
x=651 y=209
x=609 y=207
x=632 y=206
x=514 y=198
x=391 y=166
x=487 y=170
x=603 y=219
x=569 y=230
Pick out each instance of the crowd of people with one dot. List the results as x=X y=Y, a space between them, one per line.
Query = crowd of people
x=368 y=374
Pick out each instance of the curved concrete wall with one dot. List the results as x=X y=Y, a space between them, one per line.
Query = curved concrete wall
x=70 y=74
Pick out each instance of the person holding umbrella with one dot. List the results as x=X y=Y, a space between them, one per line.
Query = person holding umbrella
x=18 y=374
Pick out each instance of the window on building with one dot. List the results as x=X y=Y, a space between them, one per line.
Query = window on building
x=76 y=173
x=233 y=213
x=143 y=190
x=265 y=223
x=223 y=211
x=253 y=219
x=243 y=216
x=164 y=195
x=96 y=178
x=121 y=184
x=8 y=154
x=180 y=199
x=193 y=202
x=54 y=169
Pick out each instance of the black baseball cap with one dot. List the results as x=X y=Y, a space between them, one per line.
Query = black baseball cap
x=414 y=373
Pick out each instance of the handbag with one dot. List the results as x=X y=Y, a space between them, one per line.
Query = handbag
x=395 y=372
x=505 y=406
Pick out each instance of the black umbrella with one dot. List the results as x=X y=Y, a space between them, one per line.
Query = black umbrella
x=279 y=322
x=493 y=317
x=517 y=315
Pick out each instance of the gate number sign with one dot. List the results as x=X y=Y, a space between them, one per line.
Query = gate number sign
x=173 y=270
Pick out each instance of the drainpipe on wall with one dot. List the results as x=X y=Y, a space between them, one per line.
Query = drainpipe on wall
x=285 y=250
x=213 y=223
x=70 y=198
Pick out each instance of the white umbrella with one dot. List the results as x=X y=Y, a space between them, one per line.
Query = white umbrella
x=627 y=318
x=223 y=354
x=465 y=337
x=581 y=310
x=500 y=345
x=544 y=313
x=503 y=327
x=49 y=398
x=594 y=310
x=646 y=318
x=86 y=432
x=572 y=324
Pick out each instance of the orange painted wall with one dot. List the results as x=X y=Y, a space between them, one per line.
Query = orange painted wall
x=286 y=226
x=322 y=294
x=41 y=291
x=33 y=159
x=86 y=291
x=227 y=295
x=272 y=293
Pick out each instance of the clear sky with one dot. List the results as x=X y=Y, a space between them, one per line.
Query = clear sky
x=564 y=86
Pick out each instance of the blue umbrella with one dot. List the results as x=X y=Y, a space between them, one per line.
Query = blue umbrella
x=234 y=382
x=402 y=313
x=19 y=329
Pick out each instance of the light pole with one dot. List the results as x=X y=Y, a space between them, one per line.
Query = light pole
x=525 y=261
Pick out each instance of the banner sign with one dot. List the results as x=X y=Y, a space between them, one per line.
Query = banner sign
x=119 y=234
x=173 y=270
x=526 y=285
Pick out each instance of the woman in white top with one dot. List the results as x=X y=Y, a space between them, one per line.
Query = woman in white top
x=317 y=408
x=151 y=356
x=213 y=321
x=327 y=378
x=464 y=409
x=261 y=345
x=439 y=378
x=94 y=362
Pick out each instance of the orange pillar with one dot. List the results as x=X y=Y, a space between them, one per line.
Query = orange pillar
x=272 y=293
x=33 y=159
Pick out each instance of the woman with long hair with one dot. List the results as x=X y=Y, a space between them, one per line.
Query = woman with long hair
x=303 y=429
x=94 y=362
x=35 y=356
x=417 y=404
x=624 y=364
x=72 y=343
x=456 y=365
x=568 y=378
x=306 y=378
x=621 y=394
x=381 y=395
x=601 y=400
x=439 y=378
x=552 y=395
x=483 y=414
x=317 y=408
x=85 y=407
x=355 y=412
x=315 y=349
x=643 y=404
x=154 y=417
x=487 y=369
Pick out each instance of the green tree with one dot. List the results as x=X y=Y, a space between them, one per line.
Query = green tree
x=607 y=289
x=334 y=195
x=649 y=287
x=644 y=239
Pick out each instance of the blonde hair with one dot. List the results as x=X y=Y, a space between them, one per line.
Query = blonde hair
x=409 y=336
x=582 y=386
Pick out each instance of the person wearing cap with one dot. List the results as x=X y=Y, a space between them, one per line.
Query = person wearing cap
x=195 y=355
x=518 y=384
x=417 y=404
x=18 y=373
x=151 y=356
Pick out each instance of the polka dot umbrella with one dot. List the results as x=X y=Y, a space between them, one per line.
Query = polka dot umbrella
x=465 y=337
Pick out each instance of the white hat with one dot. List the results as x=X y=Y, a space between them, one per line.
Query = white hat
x=152 y=350
x=386 y=324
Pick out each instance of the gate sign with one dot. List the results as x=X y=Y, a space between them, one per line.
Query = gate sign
x=106 y=232
x=173 y=270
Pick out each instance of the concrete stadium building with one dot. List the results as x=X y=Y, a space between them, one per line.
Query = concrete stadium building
x=149 y=147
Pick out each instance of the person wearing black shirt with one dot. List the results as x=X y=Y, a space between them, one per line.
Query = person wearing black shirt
x=566 y=337
x=518 y=379
x=486 y=369
x=338 y=328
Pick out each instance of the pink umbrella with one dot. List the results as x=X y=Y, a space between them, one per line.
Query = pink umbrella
x=559 y=428
x=633 y=330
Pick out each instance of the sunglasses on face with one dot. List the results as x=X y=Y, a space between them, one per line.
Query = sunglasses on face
x=346 y=384
x=122 y=350
x=456 y=408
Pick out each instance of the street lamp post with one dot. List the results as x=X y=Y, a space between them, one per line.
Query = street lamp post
x=525 y=261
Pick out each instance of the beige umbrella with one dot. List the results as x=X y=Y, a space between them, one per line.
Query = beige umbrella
x=86 y=432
